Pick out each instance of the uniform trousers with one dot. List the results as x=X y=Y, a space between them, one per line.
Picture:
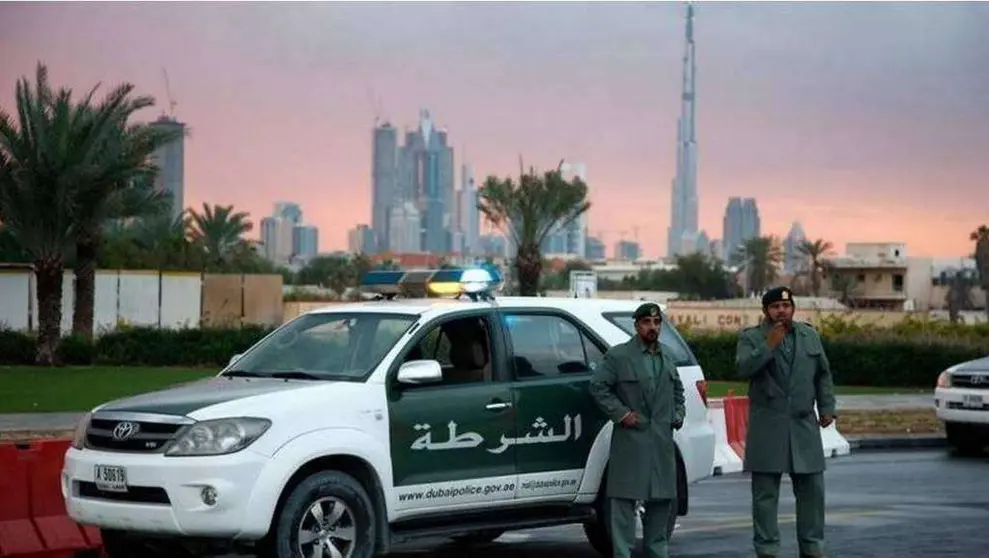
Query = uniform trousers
x=809 y=493
x=655 y=521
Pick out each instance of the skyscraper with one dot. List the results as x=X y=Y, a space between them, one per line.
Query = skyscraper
x=384 y=182
x=793 y=259
x=682 y=235
x=170 y=160
x=468 y=214
x=741 y=223
x=426 y=178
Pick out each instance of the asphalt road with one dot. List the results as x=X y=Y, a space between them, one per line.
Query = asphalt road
x=903 y=503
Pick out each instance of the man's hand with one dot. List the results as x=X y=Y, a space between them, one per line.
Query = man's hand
x=776 y=335
x=826 y=420
x=630 y=419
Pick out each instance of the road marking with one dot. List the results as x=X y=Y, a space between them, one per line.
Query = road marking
x=746 y=523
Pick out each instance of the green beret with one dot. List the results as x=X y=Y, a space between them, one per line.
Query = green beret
x=777 y=294
x=646 y=310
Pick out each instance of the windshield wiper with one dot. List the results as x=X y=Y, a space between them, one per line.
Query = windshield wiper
x=295 y=375
x=281 y=374
x=242 y=374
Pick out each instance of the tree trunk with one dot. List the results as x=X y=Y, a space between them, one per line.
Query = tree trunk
x=48 y=274
x=84 y=300
x=529 y=266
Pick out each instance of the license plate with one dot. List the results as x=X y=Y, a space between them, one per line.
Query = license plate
x=974 y=401
x=111 y=479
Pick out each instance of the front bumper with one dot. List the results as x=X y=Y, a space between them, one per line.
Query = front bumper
x=164 y=494
x=962 y=405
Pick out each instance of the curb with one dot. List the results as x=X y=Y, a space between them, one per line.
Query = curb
x=915 y=441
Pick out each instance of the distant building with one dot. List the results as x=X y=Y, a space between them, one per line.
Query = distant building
x=170 y=160
x=794 y=260
x=741 y=224
x=405 y=229
x=360 y=240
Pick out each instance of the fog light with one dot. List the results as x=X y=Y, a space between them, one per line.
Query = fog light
x=208 y=495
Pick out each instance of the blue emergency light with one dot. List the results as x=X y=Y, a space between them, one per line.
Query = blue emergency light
x=475 y=282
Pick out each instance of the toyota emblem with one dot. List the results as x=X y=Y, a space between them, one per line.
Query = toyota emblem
x=977 y=380
x=125 y=430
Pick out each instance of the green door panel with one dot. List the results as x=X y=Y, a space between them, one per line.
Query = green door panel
x=559 y=420
x=422 y=420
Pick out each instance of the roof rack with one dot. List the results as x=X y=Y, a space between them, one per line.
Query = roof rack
x=476 y=283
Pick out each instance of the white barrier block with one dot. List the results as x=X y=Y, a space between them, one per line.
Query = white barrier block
x=181 y=298
x=725 y=459
x=105 y=302
x=139 y=304
x=15 y=299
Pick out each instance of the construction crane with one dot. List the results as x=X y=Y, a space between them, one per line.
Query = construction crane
x=168 y=94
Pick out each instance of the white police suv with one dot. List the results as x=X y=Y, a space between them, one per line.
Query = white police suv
x=359 y=426
x=961 y=400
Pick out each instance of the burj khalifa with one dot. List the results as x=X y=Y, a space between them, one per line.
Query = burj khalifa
x=683 y=236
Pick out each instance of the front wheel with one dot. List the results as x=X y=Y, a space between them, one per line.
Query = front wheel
x=329 y=514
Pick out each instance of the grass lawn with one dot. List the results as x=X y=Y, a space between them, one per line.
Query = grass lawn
x=720 y=389
x=27 y=389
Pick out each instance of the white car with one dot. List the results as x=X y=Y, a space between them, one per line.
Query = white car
x=358 y=426
x=961 y=399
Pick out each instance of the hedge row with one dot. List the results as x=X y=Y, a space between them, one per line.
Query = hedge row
x=856 y=359
x=876 y=361
x=139 y=347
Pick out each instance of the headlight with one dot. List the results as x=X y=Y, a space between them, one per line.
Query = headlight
x=944 y=379
x=218 y=437
x=79 y=436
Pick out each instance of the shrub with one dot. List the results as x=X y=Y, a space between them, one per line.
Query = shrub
x=147 y=346
x=76 y=350
x=863 y=359
x=16 y=347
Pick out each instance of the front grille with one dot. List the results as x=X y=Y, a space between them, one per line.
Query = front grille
x=134 y=433
x=973 y=381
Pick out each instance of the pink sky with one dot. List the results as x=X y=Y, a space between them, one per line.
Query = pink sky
x=865 y=123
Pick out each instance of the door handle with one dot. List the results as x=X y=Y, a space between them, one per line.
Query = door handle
x=497 y=406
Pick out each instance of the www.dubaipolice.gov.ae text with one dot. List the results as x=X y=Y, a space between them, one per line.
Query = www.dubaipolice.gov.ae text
x=484 y=489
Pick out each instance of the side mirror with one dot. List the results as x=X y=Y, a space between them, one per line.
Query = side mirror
x=420 y=372
x=234 y=359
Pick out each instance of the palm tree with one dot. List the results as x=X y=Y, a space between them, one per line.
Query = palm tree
x=761 y=257
x=981 y=238
x=814 y=251
x=218 y=229
x=51 y=150
x=959 y=295
x=530 y=210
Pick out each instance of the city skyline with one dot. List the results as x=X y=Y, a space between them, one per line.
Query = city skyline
x=838 y=118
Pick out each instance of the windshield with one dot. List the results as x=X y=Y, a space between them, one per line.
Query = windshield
x=669 y=337
x=335 y=345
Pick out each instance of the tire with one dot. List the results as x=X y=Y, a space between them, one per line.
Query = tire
x=966 y=441
x=484 y=536
x=331 y=489
x=120 y=544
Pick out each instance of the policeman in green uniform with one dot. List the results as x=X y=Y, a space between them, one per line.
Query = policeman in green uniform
x=788 y=373
x=638 y=387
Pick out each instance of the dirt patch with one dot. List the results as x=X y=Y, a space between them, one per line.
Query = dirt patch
x=892 y=422
x=30 y=435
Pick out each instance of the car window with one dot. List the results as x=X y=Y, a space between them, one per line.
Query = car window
x=462 y=346
x=669 y=337
x=547 y=345
x=335 y=344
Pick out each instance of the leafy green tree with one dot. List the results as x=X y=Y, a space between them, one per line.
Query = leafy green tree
x=51 y=149
x=981 y=238
x=814 y=251
x=530 y=209
x=761 y=257
x=219 y=231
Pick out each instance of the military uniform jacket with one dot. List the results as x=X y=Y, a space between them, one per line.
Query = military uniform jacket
x=784 y=384
x=642 y=463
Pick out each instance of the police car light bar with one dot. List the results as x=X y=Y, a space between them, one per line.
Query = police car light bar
x=475 y=282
